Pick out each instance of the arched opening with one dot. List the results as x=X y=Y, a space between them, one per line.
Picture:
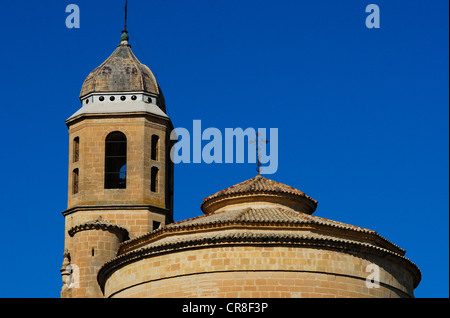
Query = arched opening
x=116 y=161
x=76 y=149
x=154 y=180
x=155 y=145
x=75 y=179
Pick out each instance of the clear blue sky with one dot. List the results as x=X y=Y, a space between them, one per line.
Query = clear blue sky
x=362 y=114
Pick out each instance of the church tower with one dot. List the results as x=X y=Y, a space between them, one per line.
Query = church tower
x=120 y=172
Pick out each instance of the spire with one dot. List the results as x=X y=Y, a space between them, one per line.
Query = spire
x=124 y=37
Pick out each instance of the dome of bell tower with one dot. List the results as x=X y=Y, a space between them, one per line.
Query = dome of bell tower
x=121 y=84
x=121 y=72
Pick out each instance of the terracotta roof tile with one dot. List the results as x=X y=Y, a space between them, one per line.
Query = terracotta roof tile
x=269 y=214
x=258 y=184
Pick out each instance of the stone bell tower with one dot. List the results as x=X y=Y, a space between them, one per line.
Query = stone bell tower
x=120 y=172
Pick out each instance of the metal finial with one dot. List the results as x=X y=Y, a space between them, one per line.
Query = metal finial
x=258 y=142
x=126 y=9
x=124 y=37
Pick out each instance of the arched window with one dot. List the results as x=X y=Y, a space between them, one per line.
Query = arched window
x=76 y=149
x=154 y=180
x=155 y=145
x=116 y=161
x=75 y=178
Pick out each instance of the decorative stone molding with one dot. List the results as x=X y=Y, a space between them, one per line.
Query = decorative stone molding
x=99 y=224
x=65 y=273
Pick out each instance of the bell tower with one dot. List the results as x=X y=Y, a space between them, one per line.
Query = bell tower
x=120 y=172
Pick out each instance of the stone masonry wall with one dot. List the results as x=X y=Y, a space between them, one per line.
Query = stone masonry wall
x=258 y=271
x=92 y=134
x=91 y=249
x=136 y=222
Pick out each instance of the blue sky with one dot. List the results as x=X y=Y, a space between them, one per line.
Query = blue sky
x=362 y=114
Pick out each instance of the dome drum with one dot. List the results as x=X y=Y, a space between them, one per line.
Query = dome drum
x=121 y=97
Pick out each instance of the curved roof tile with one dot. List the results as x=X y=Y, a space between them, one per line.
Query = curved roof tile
x=258 y=184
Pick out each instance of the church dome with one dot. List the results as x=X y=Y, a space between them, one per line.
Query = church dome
x=257 y=243
x=121 y=72
x=260 y=190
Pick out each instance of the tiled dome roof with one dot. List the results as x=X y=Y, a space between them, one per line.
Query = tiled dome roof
x=257 y=225
x=259 y=186
x=264 y=215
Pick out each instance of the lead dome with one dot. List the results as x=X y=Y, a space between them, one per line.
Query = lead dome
x=121 y=72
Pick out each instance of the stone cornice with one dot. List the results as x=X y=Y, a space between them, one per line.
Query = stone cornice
x=316 y=224
x=99 y=224
x=73 y=120
x=116 y=207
